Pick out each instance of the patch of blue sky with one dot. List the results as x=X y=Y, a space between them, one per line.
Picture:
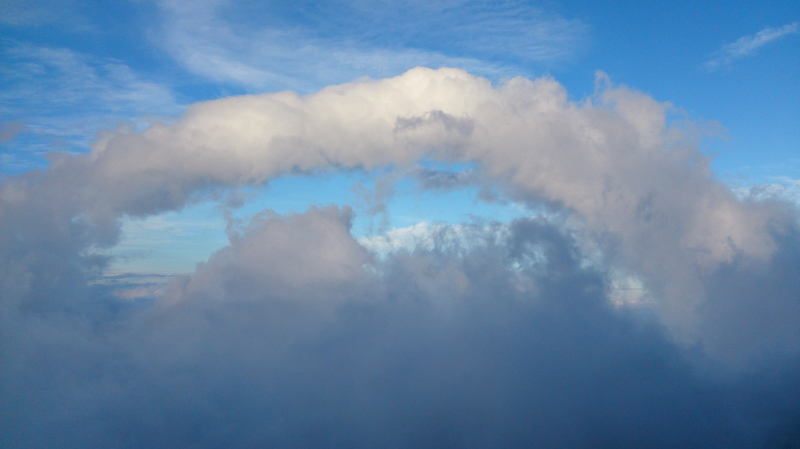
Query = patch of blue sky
x=662 y=48
x=26 y=152
x=175 y=242
x=170 y=243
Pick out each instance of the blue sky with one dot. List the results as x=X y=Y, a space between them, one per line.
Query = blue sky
x=72 y=69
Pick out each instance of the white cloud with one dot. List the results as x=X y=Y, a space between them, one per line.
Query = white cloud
x=423 y=236
x=747 y=45
x=296 y=334
x=341 y=41
x=635 y=183
x=785 y=189
x=48 y=79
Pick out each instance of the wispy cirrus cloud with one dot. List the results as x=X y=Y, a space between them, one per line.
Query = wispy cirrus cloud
x=747 y=45
x=337 y=42
x=61 y=98
x=59 y=82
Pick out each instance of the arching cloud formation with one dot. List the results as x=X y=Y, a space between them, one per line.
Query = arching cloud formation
x=496 y=335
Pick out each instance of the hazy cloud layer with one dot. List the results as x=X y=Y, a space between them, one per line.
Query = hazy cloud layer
x=487 y=335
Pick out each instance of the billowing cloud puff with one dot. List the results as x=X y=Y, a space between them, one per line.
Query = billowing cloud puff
x=297 y=335
x=506 y=343
x=282 y=257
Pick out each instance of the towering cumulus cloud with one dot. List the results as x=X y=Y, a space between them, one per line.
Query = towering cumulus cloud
x=498 y=335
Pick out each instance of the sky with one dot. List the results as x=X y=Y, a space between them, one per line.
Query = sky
x=399 y=223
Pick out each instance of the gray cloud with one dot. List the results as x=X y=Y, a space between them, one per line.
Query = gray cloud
x=284 y=341
x=487 y=335
x=10 y=130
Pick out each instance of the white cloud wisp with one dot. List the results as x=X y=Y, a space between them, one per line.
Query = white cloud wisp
x=341 y=40
x=65 y=97
x=747 y=45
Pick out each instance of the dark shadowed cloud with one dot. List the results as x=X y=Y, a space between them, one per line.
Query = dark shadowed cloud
x=296 y=338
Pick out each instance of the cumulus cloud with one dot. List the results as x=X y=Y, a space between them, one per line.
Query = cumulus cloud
x=635 y=182
x=296 y=334
x=747 y=45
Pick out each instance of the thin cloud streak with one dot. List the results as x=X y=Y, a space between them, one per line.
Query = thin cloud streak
x=213 y=42
x=67 y=97
x=747 y=45
x=57 y=80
